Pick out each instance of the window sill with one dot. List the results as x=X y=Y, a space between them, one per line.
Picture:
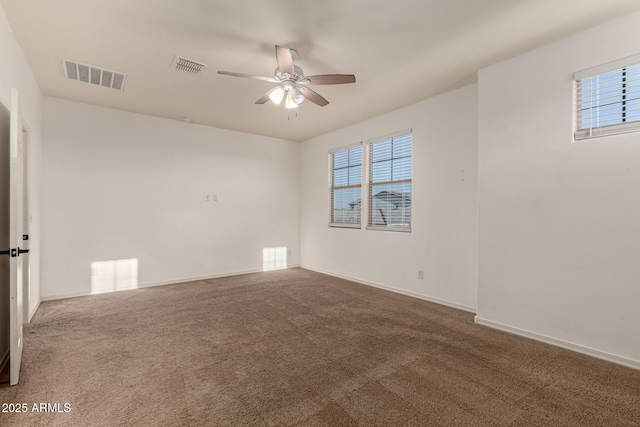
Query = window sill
x=399 y=229
x=338 y=225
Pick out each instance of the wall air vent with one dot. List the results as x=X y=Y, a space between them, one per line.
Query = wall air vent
x=188 y=65
x=93 y=74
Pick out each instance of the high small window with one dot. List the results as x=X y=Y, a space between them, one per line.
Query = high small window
x=608 y=99
x=389 y=186
x=345 y=186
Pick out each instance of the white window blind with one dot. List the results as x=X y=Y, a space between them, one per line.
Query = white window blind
x=345 y=187
x=608 y=99
x=389 y=182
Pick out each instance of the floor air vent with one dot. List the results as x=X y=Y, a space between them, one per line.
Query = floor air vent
x=188 y=65
x=93 y=74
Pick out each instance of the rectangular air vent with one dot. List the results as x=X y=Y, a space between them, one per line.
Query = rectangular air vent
x=93 y=74
x=188 y=65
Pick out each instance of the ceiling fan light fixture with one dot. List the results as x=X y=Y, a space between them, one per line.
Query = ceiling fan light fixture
x=289 y=102
x=277 y=95
x=297 y=95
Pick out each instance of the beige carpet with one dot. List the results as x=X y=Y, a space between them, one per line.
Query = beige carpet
x=294 y=347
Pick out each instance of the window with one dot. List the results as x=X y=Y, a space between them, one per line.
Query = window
x=389 y=186
x=345 y=187
x=608 y=99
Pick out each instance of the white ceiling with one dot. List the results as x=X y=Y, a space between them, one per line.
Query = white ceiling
x=401 y=52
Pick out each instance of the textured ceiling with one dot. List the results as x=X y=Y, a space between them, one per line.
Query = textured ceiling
x=401 y=52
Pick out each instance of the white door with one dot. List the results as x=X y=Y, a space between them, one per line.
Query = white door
x=15 y=237
x=24 y=257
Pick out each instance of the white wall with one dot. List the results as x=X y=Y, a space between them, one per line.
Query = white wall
x=119 y=185
x=443 y=237
x=559 y=221
x=558 y=229
x=15 y=72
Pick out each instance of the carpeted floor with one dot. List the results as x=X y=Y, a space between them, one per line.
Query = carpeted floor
x=295 y=347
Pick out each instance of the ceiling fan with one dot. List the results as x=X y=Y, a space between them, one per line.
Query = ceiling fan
x=293 y=85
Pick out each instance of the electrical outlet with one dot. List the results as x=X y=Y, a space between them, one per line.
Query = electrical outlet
x=421 y=274
x=207 y=197
x=288 y=252
x=214 y=197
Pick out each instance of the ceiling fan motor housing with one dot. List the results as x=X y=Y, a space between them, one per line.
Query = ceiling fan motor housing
x=298 y=74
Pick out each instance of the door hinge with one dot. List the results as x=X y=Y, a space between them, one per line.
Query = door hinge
x=22 y=251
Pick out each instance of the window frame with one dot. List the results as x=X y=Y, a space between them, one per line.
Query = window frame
x=621 y=65
x=332 y=187
x=369 y=184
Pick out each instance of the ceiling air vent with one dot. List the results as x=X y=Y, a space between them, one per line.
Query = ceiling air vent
x=188 y=65
x=93 y=74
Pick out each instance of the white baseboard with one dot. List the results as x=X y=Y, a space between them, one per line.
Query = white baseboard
x=396 y=290
x=195 y=279
x=489 y=323
x=496 y=325
x=154 y=284
x=33 y=312
x=561 y=343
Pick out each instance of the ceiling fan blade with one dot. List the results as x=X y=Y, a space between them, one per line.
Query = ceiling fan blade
x=249 y=76
x=285 y=60
x=264 y=98
x=331 y=79
x=314 y=97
